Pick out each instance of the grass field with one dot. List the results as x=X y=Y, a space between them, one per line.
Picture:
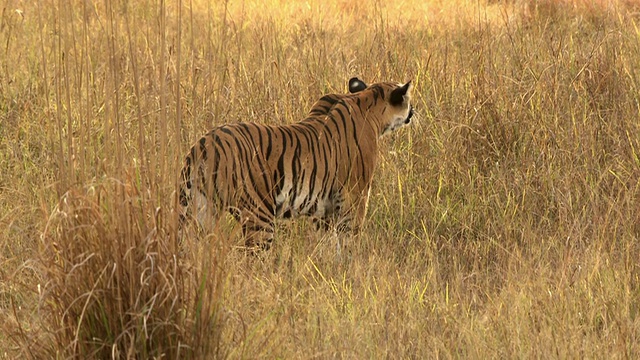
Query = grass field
x=504 y=223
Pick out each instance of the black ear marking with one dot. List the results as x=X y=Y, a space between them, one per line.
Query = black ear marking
x=397 y=95
x=356 y=85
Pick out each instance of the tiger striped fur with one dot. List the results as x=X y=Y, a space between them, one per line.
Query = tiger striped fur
x=321 y=166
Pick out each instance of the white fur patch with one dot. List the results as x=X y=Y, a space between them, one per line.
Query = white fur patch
x=204 y=210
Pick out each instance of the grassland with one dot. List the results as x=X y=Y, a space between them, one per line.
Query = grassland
x=504 y=223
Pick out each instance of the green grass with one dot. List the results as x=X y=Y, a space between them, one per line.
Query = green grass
x=503 y=223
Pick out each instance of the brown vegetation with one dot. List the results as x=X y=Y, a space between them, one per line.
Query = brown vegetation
x=504 y=223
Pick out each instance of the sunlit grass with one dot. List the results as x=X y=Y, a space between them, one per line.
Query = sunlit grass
x=503 y=223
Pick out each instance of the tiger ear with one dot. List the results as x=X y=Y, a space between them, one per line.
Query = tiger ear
x=356 y=85
x=397 y=95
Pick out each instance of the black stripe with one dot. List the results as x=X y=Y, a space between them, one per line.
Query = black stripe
x=325 y=177
x=269 y=143
x=344 y=123
x=186 y=173
x=184 y=201
x=203 y=148
x=279 y=177
x=337 y=132
x=356 y=141
x=319 y=110
x=295 y=169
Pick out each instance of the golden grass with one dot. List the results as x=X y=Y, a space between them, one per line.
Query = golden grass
x=504 y=223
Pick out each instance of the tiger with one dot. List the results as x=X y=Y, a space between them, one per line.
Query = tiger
x=321 y=167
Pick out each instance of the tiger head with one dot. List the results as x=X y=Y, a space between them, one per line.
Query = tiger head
x=393 y=101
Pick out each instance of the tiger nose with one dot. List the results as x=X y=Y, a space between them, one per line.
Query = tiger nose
x=408 y=119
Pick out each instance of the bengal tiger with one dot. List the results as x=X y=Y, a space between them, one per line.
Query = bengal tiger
x=321 y=166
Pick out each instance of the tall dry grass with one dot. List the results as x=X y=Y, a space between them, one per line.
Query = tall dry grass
x=504 y=223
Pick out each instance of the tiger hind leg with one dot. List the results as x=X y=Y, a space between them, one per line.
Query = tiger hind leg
x=199 y=210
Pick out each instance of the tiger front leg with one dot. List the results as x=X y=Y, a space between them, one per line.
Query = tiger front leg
x=351 y=220
x=355 y=211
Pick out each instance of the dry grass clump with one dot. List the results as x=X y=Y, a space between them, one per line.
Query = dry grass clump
x=504 y=223
x=115 y=283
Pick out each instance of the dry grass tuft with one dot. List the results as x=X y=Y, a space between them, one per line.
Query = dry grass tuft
x=116 y=284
